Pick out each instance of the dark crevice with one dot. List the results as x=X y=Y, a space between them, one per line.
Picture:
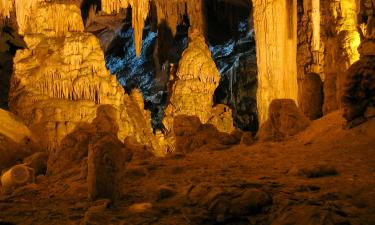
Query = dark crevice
x=10 y=42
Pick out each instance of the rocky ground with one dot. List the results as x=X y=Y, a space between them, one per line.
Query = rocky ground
x=324 y=175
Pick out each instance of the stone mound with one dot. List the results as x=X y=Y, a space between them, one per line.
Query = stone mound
x=285 y=119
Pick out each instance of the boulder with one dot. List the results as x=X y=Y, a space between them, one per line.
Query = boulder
x=312 y=96
x=191 y=135
x=285 y=119
x=106 y=165
x=16 y=176
x=359 y=91
x=228 y=203
x=16 y=140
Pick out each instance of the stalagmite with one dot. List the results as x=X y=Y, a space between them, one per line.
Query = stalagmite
x=275 y=25
x=193 y=87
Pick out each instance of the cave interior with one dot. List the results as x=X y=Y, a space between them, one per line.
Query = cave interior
x=187 y=112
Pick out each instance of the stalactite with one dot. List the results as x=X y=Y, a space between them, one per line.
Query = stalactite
x=6 y=6
x=171 y=13
x=140 y=10
x=24 y=10
x=115 y=6
x=316 y=24
x=195 y=12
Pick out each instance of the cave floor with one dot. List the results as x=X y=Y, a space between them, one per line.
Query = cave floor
x=324 y=175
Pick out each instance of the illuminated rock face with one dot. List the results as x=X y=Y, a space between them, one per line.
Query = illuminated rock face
x=6 y=6
x=335 y=51
x=276 y=41
x=61 y=79
x=16 y=140
x=340 y=41
x=169 y=11
x=140 y=9
x=193 y=87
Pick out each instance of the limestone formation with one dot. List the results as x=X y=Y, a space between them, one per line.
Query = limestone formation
x=284 y=120
x=341 y=41
x=221 y=118
x=193 y=88
x=106 y=164
x=191 y=134
x=359 y=89
x=328 y=39
x=16 y=176
x=16 y=140
x=276 y=42
x=312 y=95
x=61 y=79
x=38 y=162
x=140 y=9
x=6 y=7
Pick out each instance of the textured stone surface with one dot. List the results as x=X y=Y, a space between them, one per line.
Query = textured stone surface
x=285 y=119
x=359 y=89
x=276 y=42
x=61 y=79
x=16 y=140
x=193 y=87
x=341 y=40
x=191 y=134
x=312 y=96
x=106 y=163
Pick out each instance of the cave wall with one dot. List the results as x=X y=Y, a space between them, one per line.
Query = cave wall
x=335 y=50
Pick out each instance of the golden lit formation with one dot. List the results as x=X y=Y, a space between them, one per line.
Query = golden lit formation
x=201 y=112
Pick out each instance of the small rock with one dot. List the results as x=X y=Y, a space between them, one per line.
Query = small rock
x=318 y=171
x=140 y=207
x=251 y=201
x=165 y=192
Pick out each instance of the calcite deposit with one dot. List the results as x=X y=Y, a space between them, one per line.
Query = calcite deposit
x=60 y=80
x=193 y=87
x=77 y=145
x=276 y=53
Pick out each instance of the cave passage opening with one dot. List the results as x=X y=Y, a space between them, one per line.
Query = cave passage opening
x=230 y=36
